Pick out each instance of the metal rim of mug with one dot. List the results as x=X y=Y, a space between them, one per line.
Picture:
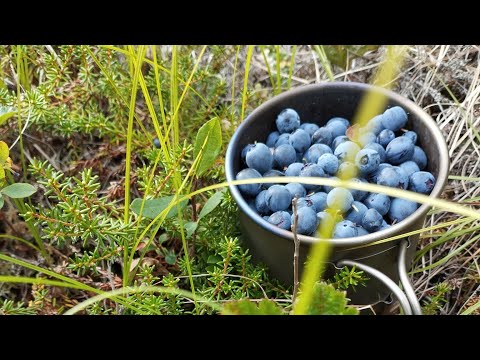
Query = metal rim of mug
x=402 y=226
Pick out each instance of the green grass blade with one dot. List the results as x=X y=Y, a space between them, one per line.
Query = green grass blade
x=234 y=76
x=128 y=156
x=292 y=64
x=278 y=88
x=471 y=309
x=245 y=81
x=269 y=70
x=324 y=61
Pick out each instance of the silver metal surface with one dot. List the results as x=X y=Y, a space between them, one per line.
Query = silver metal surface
x=394 y=288
x=407 y=286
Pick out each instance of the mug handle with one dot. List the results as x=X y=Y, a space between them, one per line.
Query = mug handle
x=408 y=301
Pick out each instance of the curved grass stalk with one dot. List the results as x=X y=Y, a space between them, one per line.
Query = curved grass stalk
x=408 y=195
x=23 y=241
x=65 y=280
x=142 y=289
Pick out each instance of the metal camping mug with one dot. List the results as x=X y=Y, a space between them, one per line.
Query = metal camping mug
x=385 y=264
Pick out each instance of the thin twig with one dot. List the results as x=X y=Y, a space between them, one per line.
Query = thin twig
x=297 y=249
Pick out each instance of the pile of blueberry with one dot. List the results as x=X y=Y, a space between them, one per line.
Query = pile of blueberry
x=382 y=152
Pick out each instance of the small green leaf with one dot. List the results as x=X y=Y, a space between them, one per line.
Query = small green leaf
x=19 y=190
x=170 y=258
x=191 y=227
x=162 y=238
x=207 y=145
x=247 y=307
x=211 y=204
x=6 y=113
x=214 y=259
x=329 y=301
x=2 y=201
x=153 y=207
x=4 y=152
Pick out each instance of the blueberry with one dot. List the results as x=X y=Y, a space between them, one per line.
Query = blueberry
x=312 y=170
x=339 y=140
x=390 y=177
x=271 y=173
x=345 y=122
x=261 y=203
x=322 y=136
x=367 y=160
x=358 y=195
x=245 y=150
x=272 y=139
x=412 y=135
x=319 y=200
x=267 y=217
x=422 y=182
x=300 y=140
x=278 y=198
x=329 y=163
x=385 y=137
x=384 y=226
x=361 y=231
x=156 y=143
x=280 y=219
x=394 y=118
x=305 y=202
x=337 y=128
x=347 y=170
x=309 y=128
x=379 y=149
x=294 y=169
x=379 y=202
x=345 y=229
x=283 y=139
x=296 y=190
x=249 y=189
x=400 y=209
x=260 y=158
x=375 y=124
x=330 y=188
x=399 y=150
x=373 y=177
x=372 y=220
x=284 y=155
x=307 y=221
x=409 y=167
x=288 y=121
x=419 y=157
x=346 y=151
x=403 y=176
x=355 y=215
x=340 y=199
x=315 y=151
x=366 y=138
